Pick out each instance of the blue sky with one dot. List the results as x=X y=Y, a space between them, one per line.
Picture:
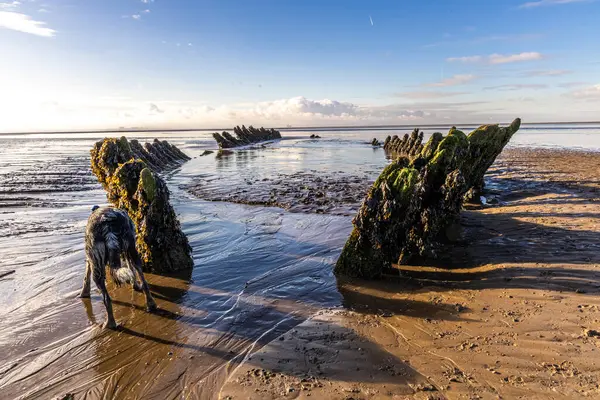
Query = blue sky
x=72 y=64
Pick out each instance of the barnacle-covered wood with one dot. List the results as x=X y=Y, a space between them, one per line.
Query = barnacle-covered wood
x=129 y=174
x=416 y=197
x=245 y=136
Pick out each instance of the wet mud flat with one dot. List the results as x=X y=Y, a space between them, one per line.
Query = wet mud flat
x=42 y=175
x=324 y=176
x=305 y=191
x=511 y=310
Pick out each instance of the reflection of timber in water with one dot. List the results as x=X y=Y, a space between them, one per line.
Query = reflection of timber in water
x=226 y=158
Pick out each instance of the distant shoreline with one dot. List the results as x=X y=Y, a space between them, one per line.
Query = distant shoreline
x=290 y=129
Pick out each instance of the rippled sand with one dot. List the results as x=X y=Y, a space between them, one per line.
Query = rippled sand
x=508 y=320
x=511 y=310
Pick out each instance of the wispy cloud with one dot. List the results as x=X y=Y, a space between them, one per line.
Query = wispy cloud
x=24 y=23
x=506 y=38
x=428 y=94
x=485 y=39
x=572 y=84
x=10 y=6
x=136 y=16
x=505 y=59
x=533 y=4
x=522 y=100
x=588 y=93
x=467 y=59
x=499 y=58
x=147 y=1
x=553 y=72
x=517 y=86
x=453 y=81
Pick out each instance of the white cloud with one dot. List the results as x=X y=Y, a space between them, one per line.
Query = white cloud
x=484 y=39
x=522 y=100
x=147 y=1
x=554 y=72
x=508 y=37
x=505 y=59
x=517 y=86
x=468 y=59
x=79 y=112
x=588 y=93
x=146 y=11
x=136 y=16
x=24 y=23
x=303 y=106
x=10 y=6
x=572 y=84
x=498 y=58
x=533 y=4
x=428 y=94
x=453 y=81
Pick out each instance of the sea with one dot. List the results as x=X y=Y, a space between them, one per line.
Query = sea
x=259 y=271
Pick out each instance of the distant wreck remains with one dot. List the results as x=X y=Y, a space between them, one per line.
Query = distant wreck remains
x=245 y=136
x=409 y=146
x=129 y=172
x=418 y=196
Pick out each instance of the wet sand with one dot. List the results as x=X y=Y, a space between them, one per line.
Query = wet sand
x=508 y=311
x=511 y=311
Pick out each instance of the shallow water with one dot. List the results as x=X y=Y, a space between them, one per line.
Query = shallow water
x=259 y=271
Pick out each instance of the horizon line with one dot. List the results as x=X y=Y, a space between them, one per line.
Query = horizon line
x=286 y=128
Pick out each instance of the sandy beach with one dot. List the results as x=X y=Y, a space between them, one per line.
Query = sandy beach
x=516 y=315
x=510 y=310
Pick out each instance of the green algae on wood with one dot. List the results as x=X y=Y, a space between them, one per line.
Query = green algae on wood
x=417 y=197
x=130 y=175
x=147 y=184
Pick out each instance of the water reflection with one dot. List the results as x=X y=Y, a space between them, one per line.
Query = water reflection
x=259 y=272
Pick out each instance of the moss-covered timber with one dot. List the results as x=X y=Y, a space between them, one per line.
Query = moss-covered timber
x=416 y=198
x=129 y=174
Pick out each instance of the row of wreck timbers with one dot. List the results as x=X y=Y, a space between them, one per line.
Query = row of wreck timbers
x=404 y=215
